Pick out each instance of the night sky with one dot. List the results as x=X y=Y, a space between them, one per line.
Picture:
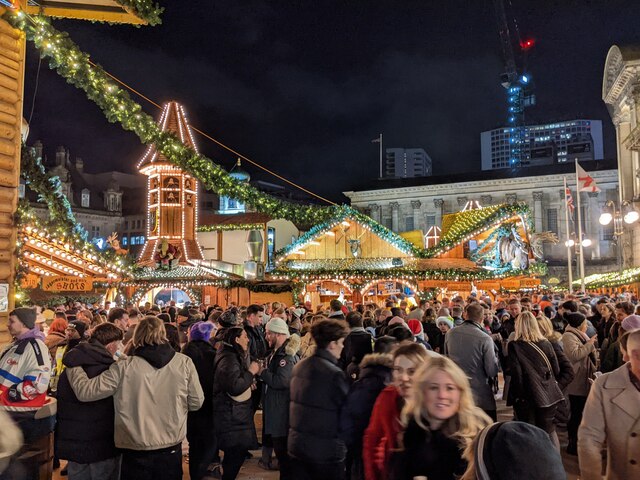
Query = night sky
x=302 y=87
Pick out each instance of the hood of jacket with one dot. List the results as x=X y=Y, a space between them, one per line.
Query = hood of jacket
x=376 y=360
x=157 y=356
x=86 y=354
x=293 y=345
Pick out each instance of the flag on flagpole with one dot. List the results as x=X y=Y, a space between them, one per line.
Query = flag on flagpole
x=569 y=199
x=376 y=140
x=586 y=183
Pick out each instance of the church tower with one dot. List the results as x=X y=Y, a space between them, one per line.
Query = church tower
x=172 y=195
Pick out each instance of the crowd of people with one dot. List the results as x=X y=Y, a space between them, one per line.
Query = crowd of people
x=393 y=391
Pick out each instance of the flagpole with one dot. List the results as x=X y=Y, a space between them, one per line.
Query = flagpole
x=580 y=230
x=380 y=155
x=566 y=222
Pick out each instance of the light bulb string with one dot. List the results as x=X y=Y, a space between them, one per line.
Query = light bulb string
x=217 y=142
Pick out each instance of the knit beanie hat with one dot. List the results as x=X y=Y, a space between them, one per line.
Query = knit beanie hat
x=26 y=315
x=397 y=321
x=80 y=327
x=632 y=322
x=277 y=325
x=504 y=450
x=445 y=320
x=575 y=319
x=229 y=318
x=201 y=331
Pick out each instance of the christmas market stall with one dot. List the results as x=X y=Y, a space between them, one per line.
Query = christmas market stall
x=354 y=258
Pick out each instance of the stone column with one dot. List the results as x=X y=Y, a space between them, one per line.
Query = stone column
x=622 y=122
x=462 y=201
x=438 y=203
x=537 y=210
x=593 y=224
x=417 y=218
x=374 y=208
x=394 y=216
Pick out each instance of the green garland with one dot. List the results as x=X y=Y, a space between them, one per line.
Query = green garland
x=49 y=190
x=258 y=287
x=147 y=10
x=344 y=212
x=228 y=227
x=74 y=65
x=611 y=279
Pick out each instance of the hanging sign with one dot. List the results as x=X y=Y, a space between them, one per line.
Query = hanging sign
x=30 y=281
x=529 y=282
x=67 y=284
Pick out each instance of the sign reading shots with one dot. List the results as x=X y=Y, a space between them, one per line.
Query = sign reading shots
x=67 y=284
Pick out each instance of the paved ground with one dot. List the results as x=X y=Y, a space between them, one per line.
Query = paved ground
x=251 y=470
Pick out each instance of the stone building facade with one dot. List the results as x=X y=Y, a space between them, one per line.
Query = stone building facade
x=412 y=205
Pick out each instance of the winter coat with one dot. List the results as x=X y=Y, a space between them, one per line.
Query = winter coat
x=307 y=346
x=582 y=355
x=203 y=356
x=233 y=420
x=529 y=372
x=318 y=391
x=381 y=436
x=375 y=374
x=356 y=345
x=85 y=429
x=427 y=453
x=566 y=375
x=432 y=333
x=153 y=389
x=53 y=340
x=276 y=380
x=611 y=420
x=473 y=350
x=612 y=359
x=257 y=343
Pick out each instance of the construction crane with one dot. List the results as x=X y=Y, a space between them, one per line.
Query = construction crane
x=517 y=81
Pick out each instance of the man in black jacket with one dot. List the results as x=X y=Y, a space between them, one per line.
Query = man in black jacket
x=85 y=429
x=318 y=390
x=357 y=344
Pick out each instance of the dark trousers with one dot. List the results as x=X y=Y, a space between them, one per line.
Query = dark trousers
x=280 y=449
x=231 y=462
x=203 y=447
x=577 y=403
x=540 y=417
x=163 y=464
x=318 y=471
x=493 y=414
x=355 y=467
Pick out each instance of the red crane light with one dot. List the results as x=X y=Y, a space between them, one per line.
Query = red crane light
x=527 y=44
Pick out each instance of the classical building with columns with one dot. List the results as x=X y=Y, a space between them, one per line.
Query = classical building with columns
x=419 y=204
x=621 y=93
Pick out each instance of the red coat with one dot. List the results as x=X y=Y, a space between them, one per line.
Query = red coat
x=381 y=436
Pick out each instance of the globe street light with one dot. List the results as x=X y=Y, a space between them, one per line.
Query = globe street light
x=619 y=215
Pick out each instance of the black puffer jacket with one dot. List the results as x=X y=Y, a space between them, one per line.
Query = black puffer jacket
x=203 y=355
x=375 y=374
x=357 y=344
x=257 y=344
x=233 y=421
x=85 y=429
x=318 y=391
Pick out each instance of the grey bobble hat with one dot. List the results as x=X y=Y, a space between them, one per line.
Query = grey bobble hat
x=26 y=315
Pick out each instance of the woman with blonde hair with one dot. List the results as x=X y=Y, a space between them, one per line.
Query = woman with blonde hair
x=533 y=366
x=381 y=436
x=440 y=421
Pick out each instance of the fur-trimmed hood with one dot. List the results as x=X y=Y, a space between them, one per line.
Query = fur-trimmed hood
x=377 y=359
x=293 y=345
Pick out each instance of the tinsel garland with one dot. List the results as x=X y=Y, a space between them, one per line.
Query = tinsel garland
x=74 y=65
x=611 y=279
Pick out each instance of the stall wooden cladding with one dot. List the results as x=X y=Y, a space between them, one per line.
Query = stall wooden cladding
x=338 y=246
x=12 y=47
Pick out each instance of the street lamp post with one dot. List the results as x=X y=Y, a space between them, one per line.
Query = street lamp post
x=579 y=252
x=619 y=214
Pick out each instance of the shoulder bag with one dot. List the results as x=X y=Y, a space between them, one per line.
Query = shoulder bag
x=549 y=393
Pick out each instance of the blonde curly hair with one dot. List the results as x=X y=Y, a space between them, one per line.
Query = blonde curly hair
x=465 y=424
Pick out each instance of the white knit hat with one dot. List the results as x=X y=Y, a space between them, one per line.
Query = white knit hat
x=277 y=325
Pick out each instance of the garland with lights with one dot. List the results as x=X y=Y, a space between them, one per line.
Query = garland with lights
x=74 y=65
x=148 y=10
x=49 y=190
x=342 y=213
x=228 y=227
x=611 y=279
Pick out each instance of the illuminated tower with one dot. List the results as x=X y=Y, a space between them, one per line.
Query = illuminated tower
x=172 y=195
